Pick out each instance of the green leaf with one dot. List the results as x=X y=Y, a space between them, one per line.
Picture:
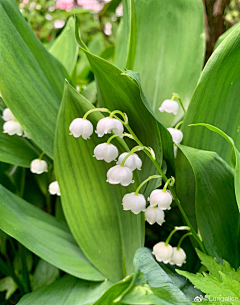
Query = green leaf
x=44 y=235
x=44 y=275
x=7 y=284
x=92 y=206
x=177 y=25
x=31 y=80
x=215 y=203
x=160 y=283
x=118 y=91
x=223 y=289
x=215 y=267
x=66 y=291
x=16 y=150
x=114 y=292
x=225 y=34
x=214 y=100
x=65 y=47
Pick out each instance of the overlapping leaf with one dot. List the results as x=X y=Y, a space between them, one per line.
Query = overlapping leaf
x=106 y=234
x=170 y=49
x=31 y=80
x=215 y=203
x=44 y=235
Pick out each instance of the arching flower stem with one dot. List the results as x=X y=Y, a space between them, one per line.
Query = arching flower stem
x=175 y=95
x=182 y=238
x=145 y=181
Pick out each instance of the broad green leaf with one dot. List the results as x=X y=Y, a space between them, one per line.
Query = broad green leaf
x=215 y=268
x=225 y=34
x=177 y=25
x=160 y=283
x=44 y=235
x=235 y=158
x=16 y=150
x=215 y=203
x=45 y=274
x=92 y=206
x=31 y=80
x=118 y=91
x=65 y=47
x=66 y=291
x=214 y=100
x=223 y=289
x=113 y=293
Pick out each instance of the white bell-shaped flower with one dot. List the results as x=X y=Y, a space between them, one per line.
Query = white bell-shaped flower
x=38 y=166
x=178 y=257
x=8 y=115
x=169 y=106
x=106 y=125
x=120 y=175
x=132 y=161
x=54 y=189
x=134 y=203
x=154 y=214
x=161 y=198
x=80 y=127
x=12 y=128
x=106 y=152
x=177 y=135
x=162 y=252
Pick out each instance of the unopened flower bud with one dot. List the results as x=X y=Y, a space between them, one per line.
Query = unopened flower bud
x=178 y=257
x=38 y=166
x=54 y=188
x=154 y=214
x=12 y=128
x=8 y=115
x=80 y=127
x=162 y=252
x=169 y=106
x=176 y=134
x=120 y=175
x=161 y=198
x=134 y=203
x=106 y=152
x=106 y=125
x=132 y=161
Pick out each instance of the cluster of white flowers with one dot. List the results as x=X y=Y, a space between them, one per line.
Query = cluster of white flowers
x=169 y=255
x=11 y=125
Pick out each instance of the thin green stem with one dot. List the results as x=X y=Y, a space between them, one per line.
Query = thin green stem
x=94 y=110
x=123 y=115
x=167 y=183
x=112 y=137
x=145 y=181
x=182 y=238
x=136 y=148
x=175 y=95
x=42 y=154
x=171 y=188
x=178 y=125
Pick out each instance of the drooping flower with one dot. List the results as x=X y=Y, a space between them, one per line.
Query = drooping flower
x=162 y=252
x=160 y=198
x=12 y=128
x=132 y=161
x=106 y=125
x=154 y=214
x=54 y=188
x=80 y=127
x=106 y=152
x=120 y=175
x=169 y=106
x=176 y=134
x=38 y=166
x=8 y=115
x=178 y=257
x=134 y=203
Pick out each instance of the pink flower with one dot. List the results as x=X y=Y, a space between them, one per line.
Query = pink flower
x=64 y=4
x=92 y=5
